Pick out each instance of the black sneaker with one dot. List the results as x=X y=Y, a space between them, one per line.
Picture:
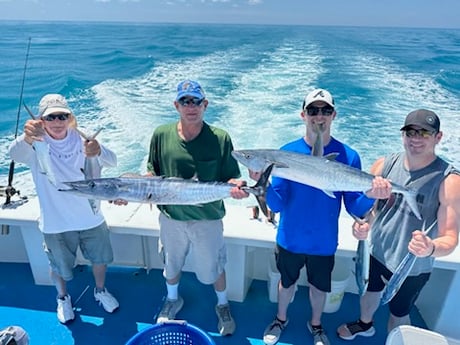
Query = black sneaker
x=357 y=328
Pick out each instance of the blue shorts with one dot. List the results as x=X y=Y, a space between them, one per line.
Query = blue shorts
x=61 y=249
x=402 y=303
x=319 y=268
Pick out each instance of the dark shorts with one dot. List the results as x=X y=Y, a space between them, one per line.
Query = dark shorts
x=402 y=303
x=319 y=268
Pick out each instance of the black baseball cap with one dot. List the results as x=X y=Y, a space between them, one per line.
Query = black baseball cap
x=423 y=118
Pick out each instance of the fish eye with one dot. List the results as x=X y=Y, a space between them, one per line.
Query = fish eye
x=92 y=184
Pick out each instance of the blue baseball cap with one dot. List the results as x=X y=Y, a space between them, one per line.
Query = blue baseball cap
x=190 y=88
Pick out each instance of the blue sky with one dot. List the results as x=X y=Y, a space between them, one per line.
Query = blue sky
x=401 y=13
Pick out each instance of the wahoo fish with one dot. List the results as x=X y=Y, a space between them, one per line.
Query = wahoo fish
x=43 y=155
x=164 y=190
x=401 y=272
x=323 y=173
x=92 y=168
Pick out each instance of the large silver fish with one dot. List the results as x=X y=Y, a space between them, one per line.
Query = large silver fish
x=92 y=169
x=362 y=262
x=401 y=272
x=42 y=151
x=164 y=190
x=323 y=173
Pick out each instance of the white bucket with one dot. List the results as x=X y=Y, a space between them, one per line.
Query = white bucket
x=340 y=278
x=273 y=279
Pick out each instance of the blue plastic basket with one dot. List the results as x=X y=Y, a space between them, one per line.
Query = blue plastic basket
x=171 y=333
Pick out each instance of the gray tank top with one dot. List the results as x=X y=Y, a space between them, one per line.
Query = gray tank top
x=395 y=222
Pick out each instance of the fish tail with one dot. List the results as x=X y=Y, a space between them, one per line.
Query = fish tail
x=261 y=186
x=411 y=199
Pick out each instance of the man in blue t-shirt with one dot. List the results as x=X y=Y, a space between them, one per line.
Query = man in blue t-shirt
x=308 y=228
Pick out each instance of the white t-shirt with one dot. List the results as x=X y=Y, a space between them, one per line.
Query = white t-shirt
x=61 y=211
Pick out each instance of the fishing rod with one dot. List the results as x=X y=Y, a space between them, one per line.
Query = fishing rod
x=9 y=189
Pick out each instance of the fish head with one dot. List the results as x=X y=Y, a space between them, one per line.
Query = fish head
x=96 y=188
x=254 y=160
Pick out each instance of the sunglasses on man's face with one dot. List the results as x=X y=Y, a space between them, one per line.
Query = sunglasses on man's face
x=327 y=110
x=423 y=133
x=185 y=102
x=52 y=117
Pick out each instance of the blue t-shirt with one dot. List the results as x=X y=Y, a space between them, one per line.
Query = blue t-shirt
x=308 y=217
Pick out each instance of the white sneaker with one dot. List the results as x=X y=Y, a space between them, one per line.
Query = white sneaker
x=64 y=309
x=105 y=298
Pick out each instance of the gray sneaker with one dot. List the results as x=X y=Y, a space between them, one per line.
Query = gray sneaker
x=170 y=309
x=319 y=335
x=273 y=331
x=226 y=325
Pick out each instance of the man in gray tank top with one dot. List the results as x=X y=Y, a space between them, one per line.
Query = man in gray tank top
x=395 y=230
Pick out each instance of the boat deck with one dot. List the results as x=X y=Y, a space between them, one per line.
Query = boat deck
x=141 y=293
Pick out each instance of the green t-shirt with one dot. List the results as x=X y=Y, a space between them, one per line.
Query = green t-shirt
x=207 y=158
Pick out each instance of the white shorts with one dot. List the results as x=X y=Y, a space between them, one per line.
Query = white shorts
x=202 y=240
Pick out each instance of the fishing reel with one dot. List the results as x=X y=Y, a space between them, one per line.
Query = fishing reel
x=8 y=192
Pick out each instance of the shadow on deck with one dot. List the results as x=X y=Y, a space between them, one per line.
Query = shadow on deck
x=141 y=294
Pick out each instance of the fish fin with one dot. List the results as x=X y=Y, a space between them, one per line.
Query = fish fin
x=94 y=135
x=93 y=205
x=279 y=165
x=385 y=280
x=329 y=193
x=30 y=112
x=331 y=156
x=86 y=136
x=82 y=134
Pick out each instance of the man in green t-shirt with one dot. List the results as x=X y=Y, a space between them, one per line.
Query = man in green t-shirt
x=191 y=148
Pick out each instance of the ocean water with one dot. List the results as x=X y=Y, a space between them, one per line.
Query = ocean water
x=122 y=78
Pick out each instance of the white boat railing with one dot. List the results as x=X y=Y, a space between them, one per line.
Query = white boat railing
x=250 y=242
